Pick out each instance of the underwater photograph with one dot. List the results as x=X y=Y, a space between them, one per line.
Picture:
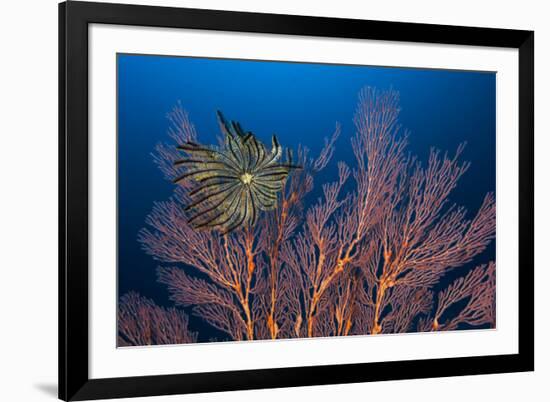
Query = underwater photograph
x=269 y=200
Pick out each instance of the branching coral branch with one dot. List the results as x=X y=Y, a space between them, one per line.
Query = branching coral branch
x=228 y=261
x=181 y=130
x=281 y=225
x=141 y=322
x=479 y=287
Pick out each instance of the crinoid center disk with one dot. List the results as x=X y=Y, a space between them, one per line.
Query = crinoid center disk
x=246 y=178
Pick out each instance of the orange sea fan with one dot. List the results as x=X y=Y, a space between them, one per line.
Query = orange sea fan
x=366 y=258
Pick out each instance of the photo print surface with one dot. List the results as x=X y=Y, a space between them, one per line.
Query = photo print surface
x=268 y=200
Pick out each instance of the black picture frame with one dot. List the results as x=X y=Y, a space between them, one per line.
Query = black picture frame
x=74 y=381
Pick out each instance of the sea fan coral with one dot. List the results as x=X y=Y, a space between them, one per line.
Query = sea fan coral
x=371 y=256
x=235 y=181
x=141 y=322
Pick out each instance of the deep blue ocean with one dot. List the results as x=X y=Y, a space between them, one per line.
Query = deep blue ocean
x=301 y=104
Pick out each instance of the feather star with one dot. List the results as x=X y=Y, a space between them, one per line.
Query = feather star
x=234 y=182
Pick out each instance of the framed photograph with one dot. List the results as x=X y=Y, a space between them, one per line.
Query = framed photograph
x=256 y=200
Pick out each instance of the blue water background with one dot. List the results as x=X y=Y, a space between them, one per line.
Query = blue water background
x=301 y=104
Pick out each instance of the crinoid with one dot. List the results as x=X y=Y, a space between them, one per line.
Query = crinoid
x=234 y=181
